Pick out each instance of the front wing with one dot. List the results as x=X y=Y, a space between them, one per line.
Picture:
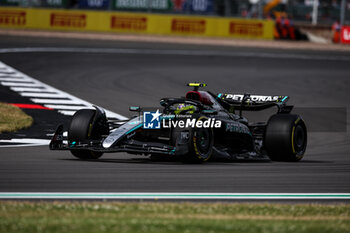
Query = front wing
x=60 y=142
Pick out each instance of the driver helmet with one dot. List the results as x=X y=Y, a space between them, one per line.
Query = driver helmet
x=185 y=108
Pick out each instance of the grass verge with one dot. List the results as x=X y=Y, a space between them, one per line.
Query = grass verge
x=142 y=217
x=13 y=118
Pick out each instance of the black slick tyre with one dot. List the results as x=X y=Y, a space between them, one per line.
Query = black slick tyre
x=80 y=129
x=200 y=145
x=285 y=137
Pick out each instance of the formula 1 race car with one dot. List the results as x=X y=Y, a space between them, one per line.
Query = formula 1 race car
x=193 y=128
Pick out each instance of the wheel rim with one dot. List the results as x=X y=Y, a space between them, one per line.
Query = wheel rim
x=204 y=141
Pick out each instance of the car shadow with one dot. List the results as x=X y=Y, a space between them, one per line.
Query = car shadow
x=126 y=161
x=179 y=162
x=167 y=161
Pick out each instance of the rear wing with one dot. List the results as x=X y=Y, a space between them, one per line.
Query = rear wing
x=254 y=99
x=248 y=102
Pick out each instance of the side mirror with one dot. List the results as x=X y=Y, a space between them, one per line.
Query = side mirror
x=134 y=109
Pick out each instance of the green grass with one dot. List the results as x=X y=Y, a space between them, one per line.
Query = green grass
x=12 y=118
x=142 y=217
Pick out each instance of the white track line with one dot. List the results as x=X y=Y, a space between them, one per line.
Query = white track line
x=18 y=84
x=176 y=52
x=66 y=107
x=53 y=101
x=45 y=94
x=188 y=196
x=25 y=142
x=42 y=93
x=10 y=79
x=67 y=113
x=29 y=89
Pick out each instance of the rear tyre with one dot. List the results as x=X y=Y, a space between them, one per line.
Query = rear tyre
x=81 y=128
x=285 y=137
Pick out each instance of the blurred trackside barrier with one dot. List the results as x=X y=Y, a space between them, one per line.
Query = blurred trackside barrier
x=121 y=22
x=345 y=35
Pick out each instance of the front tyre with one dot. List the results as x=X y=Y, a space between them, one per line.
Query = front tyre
x=200 y=145
x=285 y=137
x=81 y=128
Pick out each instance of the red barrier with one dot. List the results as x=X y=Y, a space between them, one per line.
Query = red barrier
x=345 y=35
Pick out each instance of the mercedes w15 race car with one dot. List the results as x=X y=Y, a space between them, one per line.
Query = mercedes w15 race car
x=195 y=128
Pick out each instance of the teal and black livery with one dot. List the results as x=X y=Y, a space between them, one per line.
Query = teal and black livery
x=228 y=132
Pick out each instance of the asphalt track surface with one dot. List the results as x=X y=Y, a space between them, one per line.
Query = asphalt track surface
x=116 y=80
